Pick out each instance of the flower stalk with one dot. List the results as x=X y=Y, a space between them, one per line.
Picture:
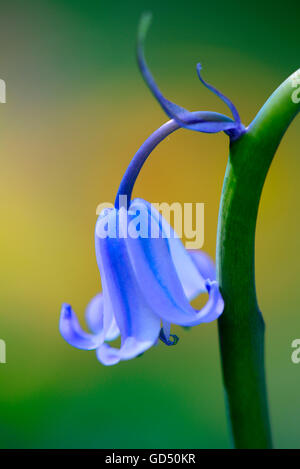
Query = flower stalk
x=137 y=162
x=241 y=327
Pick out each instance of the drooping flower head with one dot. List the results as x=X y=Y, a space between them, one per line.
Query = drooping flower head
x=148 y=277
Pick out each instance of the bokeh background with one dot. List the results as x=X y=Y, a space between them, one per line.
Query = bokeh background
x=77 y=110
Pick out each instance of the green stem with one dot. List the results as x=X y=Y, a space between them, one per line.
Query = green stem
x=241 y=327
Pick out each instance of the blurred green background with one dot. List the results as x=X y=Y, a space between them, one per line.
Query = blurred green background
x=77 y=110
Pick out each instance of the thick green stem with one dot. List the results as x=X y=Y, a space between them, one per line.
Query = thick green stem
x=241 y=327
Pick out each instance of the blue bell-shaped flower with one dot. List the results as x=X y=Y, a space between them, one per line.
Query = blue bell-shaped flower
x=148 y=280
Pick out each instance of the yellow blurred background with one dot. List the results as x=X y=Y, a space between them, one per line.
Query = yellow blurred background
x=77 y=110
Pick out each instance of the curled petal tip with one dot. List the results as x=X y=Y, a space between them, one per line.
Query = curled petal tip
x=172 y=340
x=72 y=332
x=66 y=310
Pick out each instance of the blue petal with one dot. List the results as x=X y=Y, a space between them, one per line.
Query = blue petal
x=131 y=348
x=156 y=273
x=193 y=267
x=72 y=332
x=113 y=332
x=187 y=267
x=208 y=122
x=213 y=308
x=94 y=318
x=134 y=317
x=204 y=264
x=94 y=314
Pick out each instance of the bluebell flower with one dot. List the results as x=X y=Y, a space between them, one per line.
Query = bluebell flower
x=148 y=280
x=148 y=277
x=200 y=121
